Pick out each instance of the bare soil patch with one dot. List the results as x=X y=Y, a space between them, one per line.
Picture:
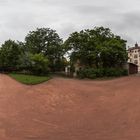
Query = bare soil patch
x=69 y=109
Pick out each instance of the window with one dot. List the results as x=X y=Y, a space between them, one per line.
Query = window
x=135 y=56
x=136 y=61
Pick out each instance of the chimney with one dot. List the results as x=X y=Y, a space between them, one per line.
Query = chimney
x=136 y=45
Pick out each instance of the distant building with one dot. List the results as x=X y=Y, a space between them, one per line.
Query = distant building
x=134 y=55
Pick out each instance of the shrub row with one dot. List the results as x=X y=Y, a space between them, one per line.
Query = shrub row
x=102 y=72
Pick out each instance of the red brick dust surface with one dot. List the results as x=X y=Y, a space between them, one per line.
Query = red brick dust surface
x=69 y=109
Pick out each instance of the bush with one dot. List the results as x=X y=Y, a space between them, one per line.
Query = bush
x=125 y=72
x=39 y=64
x=81 y=74
x=102 y=72
x=90 y=73
x=112 y=72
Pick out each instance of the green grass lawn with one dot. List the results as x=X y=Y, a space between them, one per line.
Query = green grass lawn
x=29 y=79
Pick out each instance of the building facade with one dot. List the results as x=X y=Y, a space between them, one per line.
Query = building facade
x=134 y=55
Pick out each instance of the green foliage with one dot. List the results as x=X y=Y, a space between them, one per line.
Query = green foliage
x=29 y=79
x=101 y=72
x=44 y=51
x=25 y=61
x=47 y=42
x=97 y=48
x=9 y=55
x=43 y=40
x=116 y=72
x=59 y=65
x=39 y=64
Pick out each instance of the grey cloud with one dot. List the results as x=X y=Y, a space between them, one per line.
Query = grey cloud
x=127 y=25
x=92 y=9
x=18 y=17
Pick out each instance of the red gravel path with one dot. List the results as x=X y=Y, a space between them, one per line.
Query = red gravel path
x=68 y=109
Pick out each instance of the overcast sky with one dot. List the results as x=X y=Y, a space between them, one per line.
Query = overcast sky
x=18 y=17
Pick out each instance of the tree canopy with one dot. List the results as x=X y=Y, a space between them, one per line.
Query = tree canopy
x=97 y=47
x=47 y=42
x=9 y=55
x=43 y=50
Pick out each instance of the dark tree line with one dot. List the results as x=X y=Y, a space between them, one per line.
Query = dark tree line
x=98 y=47
x=43 y=51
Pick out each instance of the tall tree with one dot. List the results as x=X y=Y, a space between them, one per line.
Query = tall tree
x=98 y=47
x=47 y=42
x=10 y=55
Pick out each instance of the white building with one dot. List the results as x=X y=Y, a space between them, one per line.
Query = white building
x=134 y=55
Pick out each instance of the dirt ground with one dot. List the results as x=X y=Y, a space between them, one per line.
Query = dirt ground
x=69 y=109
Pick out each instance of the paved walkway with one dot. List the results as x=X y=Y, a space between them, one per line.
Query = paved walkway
x=68 y=109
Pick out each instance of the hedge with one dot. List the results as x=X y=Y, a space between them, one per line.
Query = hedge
x=102 y=72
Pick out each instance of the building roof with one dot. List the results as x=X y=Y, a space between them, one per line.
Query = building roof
x=136 y=47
